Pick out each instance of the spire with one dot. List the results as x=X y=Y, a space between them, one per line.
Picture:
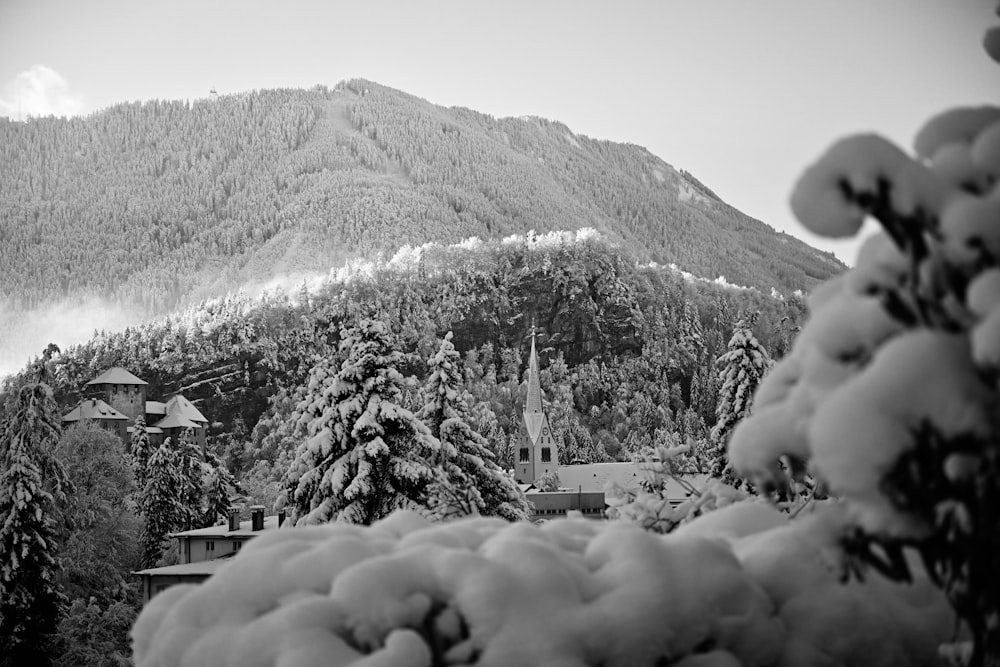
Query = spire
x=534 y=402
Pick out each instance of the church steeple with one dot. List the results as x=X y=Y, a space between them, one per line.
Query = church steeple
x=537 y=449
x=534 y=403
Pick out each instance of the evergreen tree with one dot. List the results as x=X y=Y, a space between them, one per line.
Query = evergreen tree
x=740 y=371
x=465 y=456
x=191 y=473
x=219 y=486
x=691 y=342
x=140 y=449
x=366 y=455
x=160 y=502
x=697 y=438
x=33 y=488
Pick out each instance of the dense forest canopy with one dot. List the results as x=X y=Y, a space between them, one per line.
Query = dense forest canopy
x=156 y=205
x=627 y=352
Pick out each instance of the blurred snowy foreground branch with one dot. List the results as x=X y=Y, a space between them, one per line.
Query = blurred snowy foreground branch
x=890 y=394
x=740 y=586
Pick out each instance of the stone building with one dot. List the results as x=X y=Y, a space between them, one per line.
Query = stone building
x=115 y=398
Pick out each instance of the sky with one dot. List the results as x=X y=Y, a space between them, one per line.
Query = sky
x=742 y=94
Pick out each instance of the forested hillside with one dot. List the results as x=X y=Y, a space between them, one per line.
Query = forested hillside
x=161 y=204
x=627 y=353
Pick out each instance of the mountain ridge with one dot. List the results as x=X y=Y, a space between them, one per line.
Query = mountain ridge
x=154 y=205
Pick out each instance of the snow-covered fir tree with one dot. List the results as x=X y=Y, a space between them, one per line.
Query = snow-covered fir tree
x=191 y=473
x=691 y=341
x=33 y=486
x=465 y=456
x=160 y=502
x=740 y=369
x=219 y=486
x=140 y=451
x=366 y=454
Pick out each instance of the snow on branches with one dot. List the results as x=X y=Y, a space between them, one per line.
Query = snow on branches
x=751 y=589
x=740 y=369
x=366 y=455
x=891 y=394
x=472 y=482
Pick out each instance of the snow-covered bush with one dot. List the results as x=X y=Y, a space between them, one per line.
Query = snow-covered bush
x=890 y=394
x=741 y=586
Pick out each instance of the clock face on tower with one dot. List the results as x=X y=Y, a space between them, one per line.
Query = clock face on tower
x=545 y=431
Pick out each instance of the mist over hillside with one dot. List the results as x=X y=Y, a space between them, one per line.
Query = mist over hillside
x=146 y=207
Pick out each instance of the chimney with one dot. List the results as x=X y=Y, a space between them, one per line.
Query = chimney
x=257 y=517
x=281 y=517
x=234 y=518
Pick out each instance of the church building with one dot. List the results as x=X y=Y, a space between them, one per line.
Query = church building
x=537 y=448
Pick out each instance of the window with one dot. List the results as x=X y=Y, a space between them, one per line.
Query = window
x=237 y=546
x=524 y=455
x=210 y=546
x=546 y=455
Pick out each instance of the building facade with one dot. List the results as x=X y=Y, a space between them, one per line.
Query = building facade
x=203 y=551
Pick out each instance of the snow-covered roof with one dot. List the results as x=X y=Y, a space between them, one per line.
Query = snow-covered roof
x=175 y=421
x=590 y=477
x=92 y=408
x=116 y=375
x=206 y=567
x=270 y=522
x=180 y=405
x=156 y=408
x=149 y=429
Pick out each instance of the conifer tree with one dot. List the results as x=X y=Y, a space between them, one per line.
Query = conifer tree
x=33 y=486
x=465 y=455
x=140 y=449
x=190 y=474
x=691 y=343
x=219 y=487
x=740 y=371
x=160 y=502
x=366 y=455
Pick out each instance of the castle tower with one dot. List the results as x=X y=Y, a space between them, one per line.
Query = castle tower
x=121 y=390
x=537 y=451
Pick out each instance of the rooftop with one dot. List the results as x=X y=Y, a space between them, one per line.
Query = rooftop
x=175 y=421
x=205 y=567
x=92 y=408
x=270 y=523
x=589 y=477
x=181 y=406
x=156 y=408
x=149 y=429
x=116 y=375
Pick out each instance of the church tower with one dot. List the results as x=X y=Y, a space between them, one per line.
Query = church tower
x=537 y=451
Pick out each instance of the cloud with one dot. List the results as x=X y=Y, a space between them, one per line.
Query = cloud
x=39 y=91
x=23 y=336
